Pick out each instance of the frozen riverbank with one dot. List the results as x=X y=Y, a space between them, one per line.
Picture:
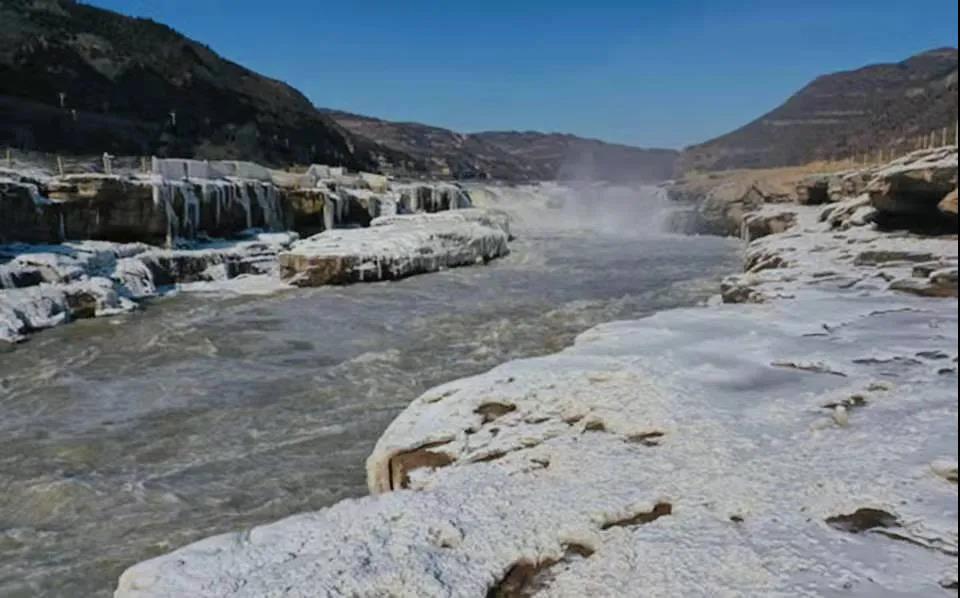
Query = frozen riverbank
x=42 y=286
x=801 y=444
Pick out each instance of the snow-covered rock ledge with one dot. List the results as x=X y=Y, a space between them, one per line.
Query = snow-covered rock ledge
x=803 y=446
x=395 y=247
x=42 y=286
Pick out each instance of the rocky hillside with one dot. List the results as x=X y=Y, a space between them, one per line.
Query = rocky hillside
x=79 y=79
x=442 y=151
x=513 y=155
x=843 y=115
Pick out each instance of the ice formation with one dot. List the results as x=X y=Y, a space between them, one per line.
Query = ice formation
x=47 y=285
x=395 y=247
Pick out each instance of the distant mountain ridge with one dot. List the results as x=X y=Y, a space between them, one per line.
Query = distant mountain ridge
x=513 y=155
x=843 y=114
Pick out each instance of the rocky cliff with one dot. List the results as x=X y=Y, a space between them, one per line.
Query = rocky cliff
x=841 y=115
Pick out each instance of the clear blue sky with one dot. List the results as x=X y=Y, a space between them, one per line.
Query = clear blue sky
x=650 y=73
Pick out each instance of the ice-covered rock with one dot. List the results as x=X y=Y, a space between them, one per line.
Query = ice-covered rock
x=430 y=197
x=399 y=247
x=816 y=254
x=487 y=217
x=46 y=285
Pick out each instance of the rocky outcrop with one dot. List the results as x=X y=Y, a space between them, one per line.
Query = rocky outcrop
x=717 y=203
x=902 y=194
x=833 y=248
x=396 y=248
x=766 y=222
x=907 y=193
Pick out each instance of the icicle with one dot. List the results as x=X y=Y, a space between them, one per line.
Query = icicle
x=191 y=210
x=205 y=195
x=244 y=198
x=329 y=206
x=163 y=196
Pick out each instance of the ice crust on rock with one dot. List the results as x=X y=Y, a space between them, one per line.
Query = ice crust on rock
x=829 y=251
x=395 y=247
x=46 y=285
x=695 y=452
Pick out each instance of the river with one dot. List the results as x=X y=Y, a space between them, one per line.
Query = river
x=123 y=438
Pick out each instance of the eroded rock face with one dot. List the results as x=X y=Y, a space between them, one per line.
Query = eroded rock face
x=126 y=209
x=908 y=192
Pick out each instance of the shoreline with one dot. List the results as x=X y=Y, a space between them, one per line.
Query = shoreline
x=800 y=442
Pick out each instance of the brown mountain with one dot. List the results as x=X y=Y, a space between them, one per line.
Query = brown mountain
x=79 y=79
x=842 y=115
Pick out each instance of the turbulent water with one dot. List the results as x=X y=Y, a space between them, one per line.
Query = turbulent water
x=123 y=438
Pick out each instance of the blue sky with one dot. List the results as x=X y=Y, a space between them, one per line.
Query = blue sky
x=654 y=73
